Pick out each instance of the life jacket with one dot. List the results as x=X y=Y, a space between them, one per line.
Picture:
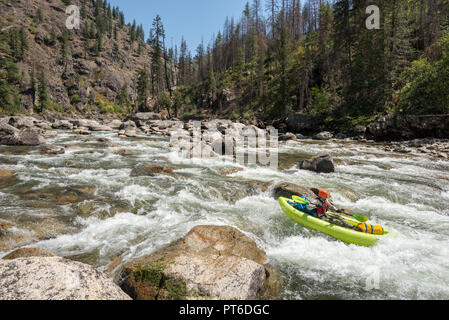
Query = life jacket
x=303 y=207
x=321 y=210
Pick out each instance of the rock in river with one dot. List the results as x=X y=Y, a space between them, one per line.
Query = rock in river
x=149 y=170
x=210 y=261
x=323 y=136
x=4 y=226
x=28 y=253
x=54 y=278
x=287 y=190
x=51 y=150
x=26 y=137
x=4 y=174
x=124 y=153
x=322 y=164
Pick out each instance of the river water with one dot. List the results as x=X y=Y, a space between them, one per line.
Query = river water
x=84 y=205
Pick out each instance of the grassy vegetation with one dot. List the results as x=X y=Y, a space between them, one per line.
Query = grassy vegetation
x=154 y=275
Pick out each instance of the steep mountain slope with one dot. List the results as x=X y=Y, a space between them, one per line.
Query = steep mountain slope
x=84 y=71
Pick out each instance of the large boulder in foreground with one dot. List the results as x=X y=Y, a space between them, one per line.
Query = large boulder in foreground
x=26 y=137
x=322 y=163
x=209 y=262
x=54 y=278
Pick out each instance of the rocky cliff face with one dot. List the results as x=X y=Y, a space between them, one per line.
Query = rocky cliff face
x=83 y=80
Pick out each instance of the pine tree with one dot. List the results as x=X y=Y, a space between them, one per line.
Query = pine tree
x=83 y=11
x=282 y=45
x=33 y=85
x=156 y=55
x=39 y=16
x=123 y=96
x=142 y=90
x=44 y=98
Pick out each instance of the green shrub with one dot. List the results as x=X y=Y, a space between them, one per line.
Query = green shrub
x=234 y=116
x=321 y=106
x=75 y=99
x=9 y=98
x=426 y=86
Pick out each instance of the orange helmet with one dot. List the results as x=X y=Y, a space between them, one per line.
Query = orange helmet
x=323 y=194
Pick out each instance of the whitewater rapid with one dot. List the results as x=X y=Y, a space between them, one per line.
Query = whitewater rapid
x=135 y=216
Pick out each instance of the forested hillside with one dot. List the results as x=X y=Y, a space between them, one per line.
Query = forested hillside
x=282 y=56
x=105 y=66
x=318 y=57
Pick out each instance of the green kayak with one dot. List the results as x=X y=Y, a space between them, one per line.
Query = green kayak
x=340 y=233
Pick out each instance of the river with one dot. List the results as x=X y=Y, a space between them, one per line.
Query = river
x=84 y=205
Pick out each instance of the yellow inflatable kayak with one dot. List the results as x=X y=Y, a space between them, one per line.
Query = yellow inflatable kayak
x=344 y=234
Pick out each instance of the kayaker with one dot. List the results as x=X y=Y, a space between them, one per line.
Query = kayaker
x=319 y=206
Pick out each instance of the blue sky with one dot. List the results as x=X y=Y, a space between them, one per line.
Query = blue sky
x=192 y=19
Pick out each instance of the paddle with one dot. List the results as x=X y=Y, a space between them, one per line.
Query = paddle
x=357 y=217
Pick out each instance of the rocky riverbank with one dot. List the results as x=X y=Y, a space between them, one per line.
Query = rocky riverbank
x=32 y=130
x=436 y=148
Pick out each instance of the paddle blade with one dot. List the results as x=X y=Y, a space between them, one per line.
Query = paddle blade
x=361 y=218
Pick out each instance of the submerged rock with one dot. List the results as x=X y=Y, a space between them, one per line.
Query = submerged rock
x=210 y=261
x=7 y=178
x=51 y=150
x=4 y=226
x=28 y=253
x=6 y=173
x=54 y=278
x=124 y=153
x=149 y=170
x=229 y=171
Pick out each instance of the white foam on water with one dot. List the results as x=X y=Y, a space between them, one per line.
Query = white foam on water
x=109 y=236
x=103 y=177
x=133 y=193
x=401 y=193
x=405 y=266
